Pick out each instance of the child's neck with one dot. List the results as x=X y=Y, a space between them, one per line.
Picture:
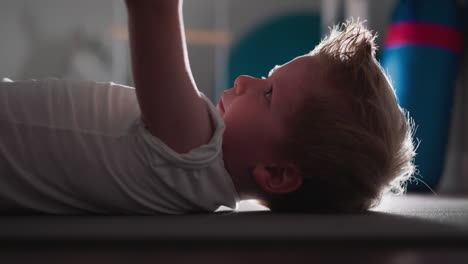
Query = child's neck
x=241 y=176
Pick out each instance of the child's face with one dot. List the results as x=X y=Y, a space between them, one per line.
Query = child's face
x=255 y=110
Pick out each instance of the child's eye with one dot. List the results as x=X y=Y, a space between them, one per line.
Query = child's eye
x=269 y=93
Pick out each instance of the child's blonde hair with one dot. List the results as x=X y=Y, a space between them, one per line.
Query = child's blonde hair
x=353 y=143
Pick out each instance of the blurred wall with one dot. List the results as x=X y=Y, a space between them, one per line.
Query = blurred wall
x=44 y=38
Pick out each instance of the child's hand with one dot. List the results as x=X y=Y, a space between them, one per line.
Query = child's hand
x=171 y=105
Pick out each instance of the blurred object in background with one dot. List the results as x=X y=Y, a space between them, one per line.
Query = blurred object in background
x=422 y=55
x=455 y=176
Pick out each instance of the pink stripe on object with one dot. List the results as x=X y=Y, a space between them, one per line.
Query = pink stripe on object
x=424 y=34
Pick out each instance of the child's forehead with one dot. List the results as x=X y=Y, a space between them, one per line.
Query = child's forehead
x=297 y=80
x=307 y=72
x=304 y=67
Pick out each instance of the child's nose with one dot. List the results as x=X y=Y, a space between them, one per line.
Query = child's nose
x=242 y=83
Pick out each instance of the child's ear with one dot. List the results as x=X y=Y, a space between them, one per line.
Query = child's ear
x=278 y=178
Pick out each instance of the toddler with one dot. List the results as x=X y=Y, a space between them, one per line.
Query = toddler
x=323 y=132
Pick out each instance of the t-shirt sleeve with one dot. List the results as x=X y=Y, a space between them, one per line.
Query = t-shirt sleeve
x=192 y=181
x=197 y=157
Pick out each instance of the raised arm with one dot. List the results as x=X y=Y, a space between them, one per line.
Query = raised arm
x=171 y=105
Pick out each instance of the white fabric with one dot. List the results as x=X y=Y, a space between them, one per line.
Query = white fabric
x=72 y=147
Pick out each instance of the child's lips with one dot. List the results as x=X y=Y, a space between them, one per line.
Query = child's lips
x=221 y=105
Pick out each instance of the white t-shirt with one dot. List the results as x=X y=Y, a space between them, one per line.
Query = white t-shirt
x=74 y=147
